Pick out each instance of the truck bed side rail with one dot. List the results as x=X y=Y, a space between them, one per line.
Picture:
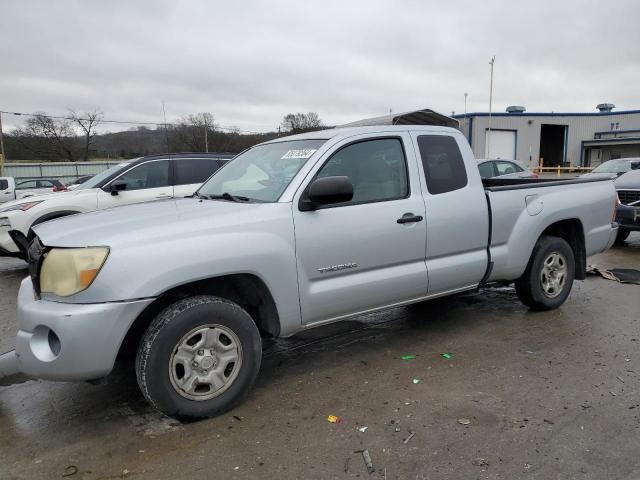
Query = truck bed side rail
x=501 y=184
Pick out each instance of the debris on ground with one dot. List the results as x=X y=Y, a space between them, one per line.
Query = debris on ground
x=464 y=421
x=408 y=357
x=362 y=429
x=366 y=456
x=480 y=462
x=622 y=275
x=446 y=355
x=545 y=420
x=237 y=418
x=620 y=378
x=408 y=439
x=334 y=419
x=416 y=381
x=70 y=470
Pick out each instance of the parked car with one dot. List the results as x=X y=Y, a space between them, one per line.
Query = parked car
x=616 y=167
x=7 y=189
x=139 y=180
x=628 y=211
x=293 y=233
x=504 y=169
x=12 y=189
x=79 y=181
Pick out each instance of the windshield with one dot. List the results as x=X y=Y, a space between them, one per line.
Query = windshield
x=613 y=166
x=96 y=179
x=263 y=172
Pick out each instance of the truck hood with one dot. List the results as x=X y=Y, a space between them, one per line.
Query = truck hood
x=630 y=180
x=152 y=221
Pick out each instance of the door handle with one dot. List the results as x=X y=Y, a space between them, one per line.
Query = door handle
x=163 y=195
x=409 y=218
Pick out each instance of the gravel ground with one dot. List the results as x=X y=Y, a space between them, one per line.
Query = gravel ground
x=524 y=395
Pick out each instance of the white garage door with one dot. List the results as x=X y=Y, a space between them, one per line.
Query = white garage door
x=503 y=145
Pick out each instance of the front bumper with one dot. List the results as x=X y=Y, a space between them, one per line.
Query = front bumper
x=628 y=217
x=8 y=247
x=65 y=341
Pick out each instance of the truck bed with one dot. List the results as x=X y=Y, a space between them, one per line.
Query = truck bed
x=520 y=210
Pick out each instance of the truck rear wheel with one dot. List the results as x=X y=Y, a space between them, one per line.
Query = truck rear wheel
x=199 y=357
x=547 y=281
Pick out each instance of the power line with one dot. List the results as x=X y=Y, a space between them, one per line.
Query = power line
x=122 y=122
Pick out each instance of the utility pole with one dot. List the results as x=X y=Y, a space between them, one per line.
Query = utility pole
x=493 y=59
x=206 y=141
x=166 y=132
x=1 y=147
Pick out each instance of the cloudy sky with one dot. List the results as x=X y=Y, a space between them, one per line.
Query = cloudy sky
x=251 y=62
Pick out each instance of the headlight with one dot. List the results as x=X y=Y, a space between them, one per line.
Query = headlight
x=21 y=206
x=66 y=271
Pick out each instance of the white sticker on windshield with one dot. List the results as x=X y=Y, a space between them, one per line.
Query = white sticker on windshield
x=124 y=164
x=305 y=153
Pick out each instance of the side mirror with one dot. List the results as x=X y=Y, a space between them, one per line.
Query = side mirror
x=327 y=191
x=117 y=186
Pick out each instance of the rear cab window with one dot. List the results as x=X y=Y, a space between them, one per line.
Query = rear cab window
x=444 y=167
x=4 y=184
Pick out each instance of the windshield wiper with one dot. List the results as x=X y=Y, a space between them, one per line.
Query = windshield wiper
x=228 y=196
x=196 y=195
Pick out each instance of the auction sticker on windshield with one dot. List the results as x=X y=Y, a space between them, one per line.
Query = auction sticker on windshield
x=305 y=153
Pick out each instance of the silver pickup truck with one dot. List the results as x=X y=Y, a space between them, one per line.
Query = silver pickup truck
x=291 y=234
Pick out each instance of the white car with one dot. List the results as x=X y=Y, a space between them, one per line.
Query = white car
x=10 y=189
x=503 y=169
x=139 y=180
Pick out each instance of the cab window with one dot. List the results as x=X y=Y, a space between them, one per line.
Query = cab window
x=377 y=169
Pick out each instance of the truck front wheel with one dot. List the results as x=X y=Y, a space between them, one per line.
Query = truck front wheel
x=547 y=281
x=199 y=357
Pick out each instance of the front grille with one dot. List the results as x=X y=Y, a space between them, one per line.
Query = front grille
x=628 y=196
x=35 y=257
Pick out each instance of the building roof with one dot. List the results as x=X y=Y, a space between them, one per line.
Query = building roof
x=546 y=114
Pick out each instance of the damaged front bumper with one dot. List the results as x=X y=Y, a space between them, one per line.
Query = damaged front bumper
x=9 y=370
x=66 y=341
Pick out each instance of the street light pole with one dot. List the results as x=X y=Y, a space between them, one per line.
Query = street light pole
x=465 y=112
x=493 y=59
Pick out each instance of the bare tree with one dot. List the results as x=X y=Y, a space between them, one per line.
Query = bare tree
x=301 y=122
x=87 y=122
x=46 y=137
x=192 y=132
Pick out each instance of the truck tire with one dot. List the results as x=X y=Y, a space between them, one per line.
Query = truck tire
x=547 y=281
x=622 y=235
x=199 y=357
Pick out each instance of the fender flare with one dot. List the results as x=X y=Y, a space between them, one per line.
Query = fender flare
x=49 y=216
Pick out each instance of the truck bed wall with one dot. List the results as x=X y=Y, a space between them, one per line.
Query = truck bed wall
x=516 y=228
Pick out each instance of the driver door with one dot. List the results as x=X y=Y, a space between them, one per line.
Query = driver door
x=145 y=182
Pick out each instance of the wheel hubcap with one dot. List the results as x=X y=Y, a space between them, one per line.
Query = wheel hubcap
x=205 y=362
x=553 y=275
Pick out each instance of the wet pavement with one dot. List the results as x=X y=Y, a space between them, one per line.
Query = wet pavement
x=546 y=395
